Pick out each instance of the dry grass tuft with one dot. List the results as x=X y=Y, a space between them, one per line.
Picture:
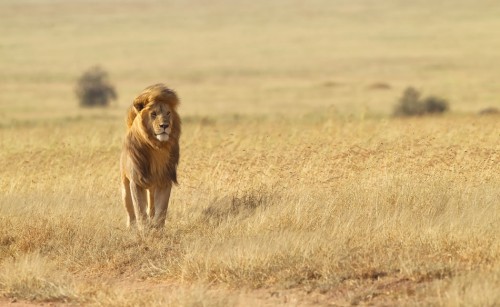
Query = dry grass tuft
x=239 y=205
x=35 y=278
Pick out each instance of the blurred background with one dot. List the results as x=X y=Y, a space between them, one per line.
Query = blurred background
x=249 y=57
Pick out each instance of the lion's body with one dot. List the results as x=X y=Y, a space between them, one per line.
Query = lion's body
x=150 y=154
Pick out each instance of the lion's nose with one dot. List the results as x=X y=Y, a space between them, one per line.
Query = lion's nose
x=164 y=126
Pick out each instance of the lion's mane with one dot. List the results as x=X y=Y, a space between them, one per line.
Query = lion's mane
x=146 y=160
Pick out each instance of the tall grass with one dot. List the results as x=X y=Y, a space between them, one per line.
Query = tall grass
x=356 y=211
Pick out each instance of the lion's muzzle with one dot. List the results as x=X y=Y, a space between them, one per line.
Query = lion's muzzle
x=163 y=134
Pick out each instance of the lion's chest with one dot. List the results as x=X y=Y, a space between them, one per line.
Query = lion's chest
x=159 y=162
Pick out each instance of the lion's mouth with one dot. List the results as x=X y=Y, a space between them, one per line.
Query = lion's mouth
x=162 y=136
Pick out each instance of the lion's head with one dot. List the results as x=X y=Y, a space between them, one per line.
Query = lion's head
x=154 y=110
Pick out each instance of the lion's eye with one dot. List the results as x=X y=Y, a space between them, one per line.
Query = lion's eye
x=168 y=113
x=153 y=115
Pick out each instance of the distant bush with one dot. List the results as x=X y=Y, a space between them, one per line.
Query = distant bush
x=93 y=88
x=380 y=86
x=411 y=104
x=489 y=111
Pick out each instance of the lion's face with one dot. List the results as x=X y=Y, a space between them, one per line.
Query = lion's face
x=158 y=117
x=153 y=114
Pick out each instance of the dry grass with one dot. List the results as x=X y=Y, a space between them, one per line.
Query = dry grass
x=359 y=211
x=295 y=186
x=31 y=277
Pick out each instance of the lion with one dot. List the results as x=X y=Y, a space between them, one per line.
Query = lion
x=150 y=156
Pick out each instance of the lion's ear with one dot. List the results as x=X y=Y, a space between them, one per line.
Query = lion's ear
x=175 y=102
x=138 y=105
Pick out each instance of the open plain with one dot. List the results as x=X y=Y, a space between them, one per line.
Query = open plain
x=296 y=186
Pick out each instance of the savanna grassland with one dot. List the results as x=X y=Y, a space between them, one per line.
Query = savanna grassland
x=297 y=187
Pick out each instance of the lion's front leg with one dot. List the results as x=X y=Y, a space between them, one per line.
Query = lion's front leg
x=139 y=200
x=127 y=202
x=151 y=207
x=162 y=197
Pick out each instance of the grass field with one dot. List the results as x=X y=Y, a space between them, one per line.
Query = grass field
x=296 y=186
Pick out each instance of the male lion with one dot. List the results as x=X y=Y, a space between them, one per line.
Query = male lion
x=150 y=155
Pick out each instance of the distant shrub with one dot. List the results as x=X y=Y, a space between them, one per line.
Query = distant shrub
x=93 y=88
x=411 y=104
x=489 y=111
x=380 y=86
x=433 y=104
